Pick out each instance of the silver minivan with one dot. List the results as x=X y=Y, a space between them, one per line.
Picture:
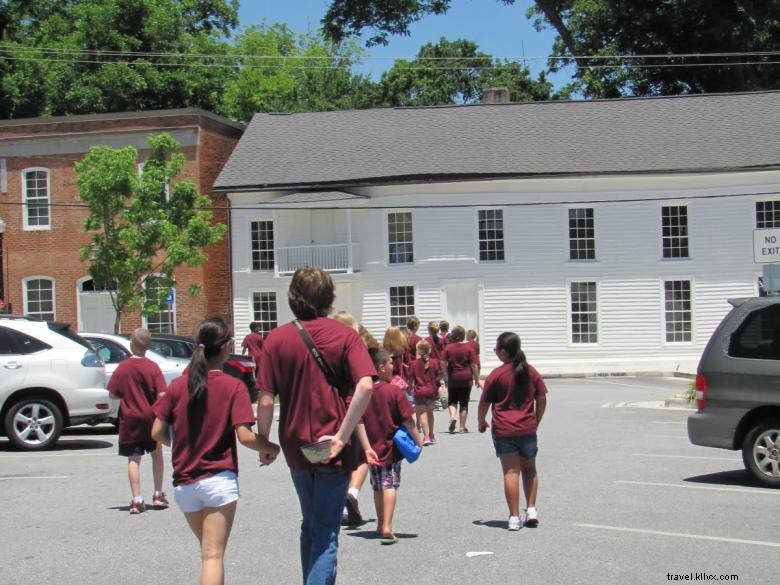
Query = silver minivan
x=738 y=388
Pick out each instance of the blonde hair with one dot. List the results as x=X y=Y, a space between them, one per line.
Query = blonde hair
x=423 y=349
x=368 y=339
x=347 y=319
x=394 y=341
x=140 y=340
x=471 y=335
x=433 y=327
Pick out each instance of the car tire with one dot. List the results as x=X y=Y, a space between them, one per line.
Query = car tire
x=33 y=424
x=761 y=452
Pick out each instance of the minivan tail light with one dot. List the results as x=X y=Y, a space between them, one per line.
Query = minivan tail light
x=701 y=392
x=245 y=367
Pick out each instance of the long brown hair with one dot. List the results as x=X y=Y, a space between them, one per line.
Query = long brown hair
x=210 y=336
x=510 y=343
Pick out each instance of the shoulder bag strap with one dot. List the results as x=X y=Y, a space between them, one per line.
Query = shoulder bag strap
x=317 y=355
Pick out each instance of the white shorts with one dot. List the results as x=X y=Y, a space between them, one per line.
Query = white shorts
x=214 y=491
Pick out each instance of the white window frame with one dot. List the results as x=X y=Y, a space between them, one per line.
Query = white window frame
x=691 y=285
x=171 y=310
x=569 y=314
x=25 y=287
x=252 y=243
x=686 y=237
x=569 y=209
x=26 y=207
x=387 y=236
x=402 y=320
x=503 y=236
x=252 y=312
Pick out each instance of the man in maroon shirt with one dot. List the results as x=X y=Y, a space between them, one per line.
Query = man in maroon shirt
x=253 y=343
x=138 y=382
x=311 y=410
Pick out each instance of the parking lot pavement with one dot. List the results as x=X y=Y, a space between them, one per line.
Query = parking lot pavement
x=624 y=497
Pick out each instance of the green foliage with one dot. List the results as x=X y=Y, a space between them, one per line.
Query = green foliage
x=142 y=226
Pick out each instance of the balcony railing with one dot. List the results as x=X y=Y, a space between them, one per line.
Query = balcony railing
x=332 y=258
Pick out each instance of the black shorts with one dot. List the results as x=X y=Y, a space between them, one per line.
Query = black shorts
x=459 y=396
x=137 y=449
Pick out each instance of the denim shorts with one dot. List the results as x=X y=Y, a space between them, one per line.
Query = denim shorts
x=385 y=477
x=426 y=402
x=137 y=448
x=523 y=445
x=213 y=491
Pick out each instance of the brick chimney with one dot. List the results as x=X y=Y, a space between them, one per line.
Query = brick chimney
x=495 y=95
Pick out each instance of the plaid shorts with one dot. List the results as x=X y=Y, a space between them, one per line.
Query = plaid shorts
x=385 y=477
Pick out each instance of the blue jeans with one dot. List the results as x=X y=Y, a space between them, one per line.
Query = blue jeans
x=322 y=492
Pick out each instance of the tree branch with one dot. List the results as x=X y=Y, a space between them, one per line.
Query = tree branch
x=553 y=15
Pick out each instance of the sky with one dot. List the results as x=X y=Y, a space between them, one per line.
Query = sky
x=499 y=30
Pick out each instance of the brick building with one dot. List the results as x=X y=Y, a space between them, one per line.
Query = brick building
x=42 y=217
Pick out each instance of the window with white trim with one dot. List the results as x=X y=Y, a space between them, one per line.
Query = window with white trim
x=674 y=231
x=401 y=305
x=36 y=199
x=399 y=237
x=584 y=312
x=677 y=310
x=264 y=311
x=163 y=321
x=39 y=298
x=582 y=234
x=262 y=245
x=767 y=214
x=491 y=235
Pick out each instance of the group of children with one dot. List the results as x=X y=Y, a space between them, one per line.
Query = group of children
x=206 y=411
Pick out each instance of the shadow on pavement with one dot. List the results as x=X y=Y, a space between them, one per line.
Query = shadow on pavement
x=372 y=535
x=71 y=445
x=491 y=523
x=735 y=477
x=88 y=430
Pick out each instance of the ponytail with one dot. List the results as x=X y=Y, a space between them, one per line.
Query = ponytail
x=521 y=391
x=211 y=336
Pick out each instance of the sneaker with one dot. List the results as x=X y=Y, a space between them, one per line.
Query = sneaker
x=515 y=523
x=453 y=423
x=531 y=518
x=353 y=512
x=137 y=507
x=426 y=440
x=160 y=501
x=432 y=439
x=345 y=518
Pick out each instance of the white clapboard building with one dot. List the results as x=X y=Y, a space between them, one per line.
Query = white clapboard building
x=608 y=234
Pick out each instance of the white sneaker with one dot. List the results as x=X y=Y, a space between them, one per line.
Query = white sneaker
x=515 y=523
x=531 y=518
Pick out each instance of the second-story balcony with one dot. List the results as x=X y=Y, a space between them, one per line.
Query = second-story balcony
x=331 y=257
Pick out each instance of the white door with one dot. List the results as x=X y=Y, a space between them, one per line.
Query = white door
x=460 y=304
x=96 y=313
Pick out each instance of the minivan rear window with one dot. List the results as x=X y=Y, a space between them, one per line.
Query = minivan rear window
x=759 y=335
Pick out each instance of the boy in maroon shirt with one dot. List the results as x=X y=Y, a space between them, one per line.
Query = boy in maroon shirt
x=253 y=343
x=462 y=371
x=137 y=383
x=389 y=409
x=412 y=326
x=311 y=410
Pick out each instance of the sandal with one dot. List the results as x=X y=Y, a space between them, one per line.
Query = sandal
x=137 y=507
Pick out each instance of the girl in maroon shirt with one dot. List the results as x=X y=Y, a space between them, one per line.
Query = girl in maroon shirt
x=208 y=410
x=437 y=345
x=412 y=325
x=395 y=344
x=462 y=373
x=518 y=396
x=425 y=375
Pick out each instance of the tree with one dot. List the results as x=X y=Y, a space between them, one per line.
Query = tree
x=595 y=35
x=456 y=72
x=143 y=225
x=281 y=71
x=93 y=56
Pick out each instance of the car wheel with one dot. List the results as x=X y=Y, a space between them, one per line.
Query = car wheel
x=761 y=452
x=33 y=424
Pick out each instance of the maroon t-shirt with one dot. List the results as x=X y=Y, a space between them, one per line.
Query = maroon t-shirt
x=309 y=406
x=401 y=365
x=459 y=357
x=205 y=445
x=254 y=343
x=136 y=382
x=388 y=409
x=426 y=386
x=437 y=345
x=413 y=339
x=475 y=345
x=508 y=419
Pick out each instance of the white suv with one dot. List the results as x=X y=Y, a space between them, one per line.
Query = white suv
x=50 y=378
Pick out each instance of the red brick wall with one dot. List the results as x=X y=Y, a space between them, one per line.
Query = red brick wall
x=54 y=253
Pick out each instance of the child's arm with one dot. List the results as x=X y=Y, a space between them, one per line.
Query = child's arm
x=160 y=432
x=371 y=457
x=540 y=405
x=248 y=438
x=482 y=411
x=412 y=429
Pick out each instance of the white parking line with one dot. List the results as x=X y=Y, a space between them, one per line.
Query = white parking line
x=35 y=477
x=685 y=457
x=767 y=492
x=681 y=535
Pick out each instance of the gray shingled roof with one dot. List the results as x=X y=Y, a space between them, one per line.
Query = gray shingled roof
x=329 y=149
